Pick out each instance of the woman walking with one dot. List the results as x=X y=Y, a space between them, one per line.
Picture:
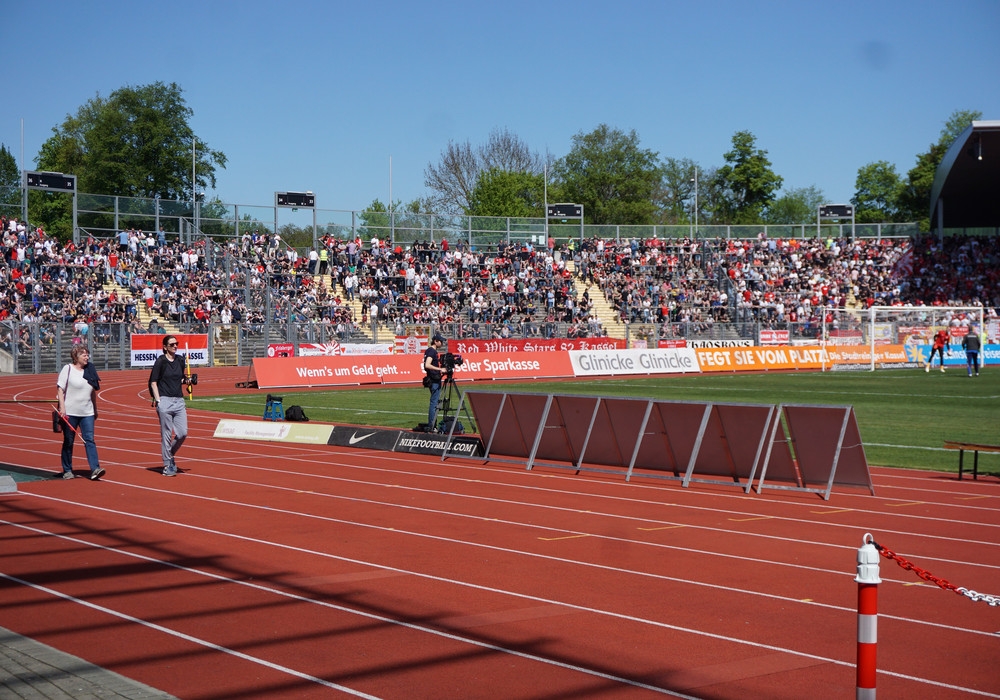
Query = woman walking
x=76 y=392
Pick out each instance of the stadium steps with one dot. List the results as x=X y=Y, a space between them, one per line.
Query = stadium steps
x=224 y=349
x=579 y=287
x=354 y=305
x=142 y=311
x=600 y=306
x=853 y=303
x=607 y=316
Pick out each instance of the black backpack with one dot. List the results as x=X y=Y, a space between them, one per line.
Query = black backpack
x=446 y=423
x=295 y=413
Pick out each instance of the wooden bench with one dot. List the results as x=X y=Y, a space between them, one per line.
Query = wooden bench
x=972 y=447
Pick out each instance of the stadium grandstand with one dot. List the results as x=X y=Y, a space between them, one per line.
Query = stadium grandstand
x=250 y=290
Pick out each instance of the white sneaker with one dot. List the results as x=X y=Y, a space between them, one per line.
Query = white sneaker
x=942 y=369
x=927 y=368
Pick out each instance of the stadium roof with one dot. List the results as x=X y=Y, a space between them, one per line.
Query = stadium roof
x=965 y=191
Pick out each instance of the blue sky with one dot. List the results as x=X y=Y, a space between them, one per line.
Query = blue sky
x=320 y=95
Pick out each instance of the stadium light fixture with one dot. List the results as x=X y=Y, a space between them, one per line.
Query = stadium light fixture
x=695 y=181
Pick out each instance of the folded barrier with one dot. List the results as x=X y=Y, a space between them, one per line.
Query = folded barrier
x=792 y=447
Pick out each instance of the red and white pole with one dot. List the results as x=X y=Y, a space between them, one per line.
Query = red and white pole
x=868 y=580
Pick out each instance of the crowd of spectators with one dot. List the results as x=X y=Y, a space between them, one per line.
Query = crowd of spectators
x=44 y=281
x=954 y=271
x=656 y=281
x=511 y=289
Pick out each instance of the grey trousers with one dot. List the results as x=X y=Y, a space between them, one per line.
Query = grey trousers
x=173 y=427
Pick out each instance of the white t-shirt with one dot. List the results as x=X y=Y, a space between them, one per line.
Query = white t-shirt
x=78 y=392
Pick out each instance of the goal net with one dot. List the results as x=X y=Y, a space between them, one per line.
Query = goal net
x=892 y=336
x=911 y=329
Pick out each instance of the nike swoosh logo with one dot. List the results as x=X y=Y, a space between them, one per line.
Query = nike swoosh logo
x=355 y=439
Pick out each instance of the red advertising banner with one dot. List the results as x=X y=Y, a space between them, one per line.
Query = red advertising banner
x=280 y=349
x=463 y=346
x=147 y=347
x=346 y=370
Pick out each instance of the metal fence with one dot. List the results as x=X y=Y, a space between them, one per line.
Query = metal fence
x=33 y=348
x=104 y=215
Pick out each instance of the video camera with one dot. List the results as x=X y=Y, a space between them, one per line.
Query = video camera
x=449 y=361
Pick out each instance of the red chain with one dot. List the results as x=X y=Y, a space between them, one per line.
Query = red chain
x=908 y=566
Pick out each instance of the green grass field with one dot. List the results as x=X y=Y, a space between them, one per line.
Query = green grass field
x=904 y=415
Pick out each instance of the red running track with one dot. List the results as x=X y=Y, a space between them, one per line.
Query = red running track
x=281 y=571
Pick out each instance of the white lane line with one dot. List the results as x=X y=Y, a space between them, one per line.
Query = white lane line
x=303 y=599
x=181 y=635
x=909 y=532
x=523 y=596
x=630 y=518
x=451 y=540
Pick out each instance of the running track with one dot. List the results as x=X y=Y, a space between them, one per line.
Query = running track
x=281 y=571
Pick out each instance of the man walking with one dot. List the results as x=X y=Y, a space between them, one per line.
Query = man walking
x=971 y=345
x=166 y=380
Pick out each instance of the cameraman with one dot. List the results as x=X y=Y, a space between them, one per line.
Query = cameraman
x=433 y=369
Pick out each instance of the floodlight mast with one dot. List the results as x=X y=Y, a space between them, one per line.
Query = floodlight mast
x=695 y=180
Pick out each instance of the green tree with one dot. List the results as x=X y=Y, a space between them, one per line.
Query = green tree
x=876 y=193
x=747 y=180
x=10 y=184
x=216 y=218
x=398 y=223
x=454 y=179
x=795 y=206
x=674 y=196
x=296 y=236
x=915 y=195
x=959 y=121
x=713 y=198
x=502 y=193
x=137 y=142
x=611 y=176
x=374 y=221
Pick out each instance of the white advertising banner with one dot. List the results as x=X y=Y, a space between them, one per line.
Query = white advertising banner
x=590 y=363
x=334 y=349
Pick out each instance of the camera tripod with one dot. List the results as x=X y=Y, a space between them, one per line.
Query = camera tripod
x=450 y=392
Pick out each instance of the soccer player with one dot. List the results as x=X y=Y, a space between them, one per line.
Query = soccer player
x=941 y=339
